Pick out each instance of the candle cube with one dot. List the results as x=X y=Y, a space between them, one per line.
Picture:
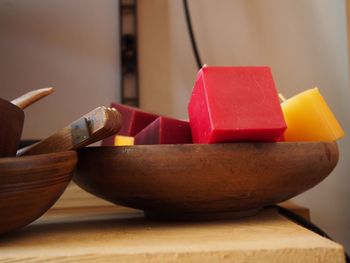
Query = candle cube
x=165 y=131
x=309 y=118
x=235 y=104
x=121 y=140
x=133 y=121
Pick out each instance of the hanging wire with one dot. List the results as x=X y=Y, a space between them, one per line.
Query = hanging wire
x=192 y=38
x=306 y=224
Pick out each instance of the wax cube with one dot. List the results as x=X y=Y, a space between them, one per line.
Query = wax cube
x=235 y=104
x=309 y=118
x=165 y=131
x=120 y=140
x=133 y=121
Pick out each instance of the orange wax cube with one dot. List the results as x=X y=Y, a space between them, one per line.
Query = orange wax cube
x=120 y=140
x=309 y=118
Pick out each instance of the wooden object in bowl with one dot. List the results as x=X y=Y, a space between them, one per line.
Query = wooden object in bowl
x=92 y=127
x=12 y=119
x=201 y=181
x=11 y=124
x=31 y=97
x=30 y=185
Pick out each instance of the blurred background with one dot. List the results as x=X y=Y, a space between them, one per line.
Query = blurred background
x=75 y=46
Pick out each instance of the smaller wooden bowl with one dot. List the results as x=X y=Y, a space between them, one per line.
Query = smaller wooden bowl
x=11 y=125
x=30 y=185
x=196 y=181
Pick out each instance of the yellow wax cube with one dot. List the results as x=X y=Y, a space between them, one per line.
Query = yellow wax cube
x=309 y=118
x=120 y=140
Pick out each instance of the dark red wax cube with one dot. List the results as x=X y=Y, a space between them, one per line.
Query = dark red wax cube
x=134 y=120
x=235 y=104
x=165 y=131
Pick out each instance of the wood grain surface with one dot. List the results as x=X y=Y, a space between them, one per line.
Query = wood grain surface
x=81 y=227
x=198 y=181
x=29 y=186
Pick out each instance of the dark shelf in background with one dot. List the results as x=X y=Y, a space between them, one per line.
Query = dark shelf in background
x=128 y=56
x=129 y=8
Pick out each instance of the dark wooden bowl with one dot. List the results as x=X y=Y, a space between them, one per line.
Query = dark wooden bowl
x=30 y=185
x=11 y=125
x=204 y=181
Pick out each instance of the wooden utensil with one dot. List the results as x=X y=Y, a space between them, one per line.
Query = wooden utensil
x=11 y=125
x=204 y=181
x=92 y=127
x=12 y=119
x=30 y=185
x=31 y=97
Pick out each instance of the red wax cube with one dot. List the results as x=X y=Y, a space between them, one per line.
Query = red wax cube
x=165 y=131
x=235 y=104
x=134 y=120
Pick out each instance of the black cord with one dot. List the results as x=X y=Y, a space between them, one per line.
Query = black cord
x=305 y=223
x=190 y=31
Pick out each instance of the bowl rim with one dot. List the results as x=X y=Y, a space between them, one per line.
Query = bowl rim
x=38 y=158
x=20 y=174
x=195 y=145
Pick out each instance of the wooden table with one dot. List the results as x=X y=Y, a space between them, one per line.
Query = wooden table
x=81 y=227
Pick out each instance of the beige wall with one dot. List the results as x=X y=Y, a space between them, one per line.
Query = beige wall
x=69 y=44
x=305 y=43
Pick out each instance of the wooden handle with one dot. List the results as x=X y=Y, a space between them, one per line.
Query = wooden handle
x=92 y=127
x=29 y=98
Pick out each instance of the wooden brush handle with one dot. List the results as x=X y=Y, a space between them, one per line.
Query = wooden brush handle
x=29 y=98
x=92 y=127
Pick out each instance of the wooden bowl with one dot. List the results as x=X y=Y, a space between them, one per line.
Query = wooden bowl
x=30 y=185
x=198 y=181
x=11 y=125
